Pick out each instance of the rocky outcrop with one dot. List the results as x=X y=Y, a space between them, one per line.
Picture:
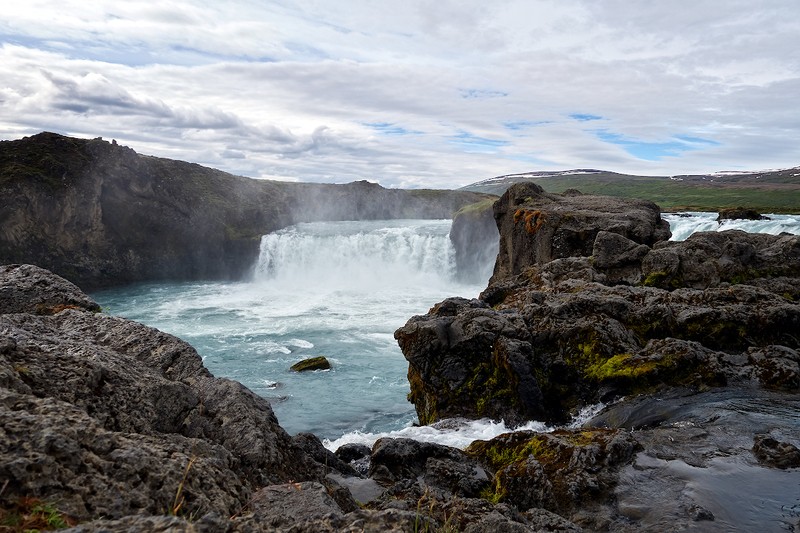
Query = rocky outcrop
x=537 y=227
x=739 y=213
x=109 y=417
x=693 y=343
x=109 y=425
x=576 y=316
x=100 y=214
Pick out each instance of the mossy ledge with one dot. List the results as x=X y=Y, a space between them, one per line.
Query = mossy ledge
x=544 y=469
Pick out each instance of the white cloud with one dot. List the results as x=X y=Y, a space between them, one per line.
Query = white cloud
x=288 y=89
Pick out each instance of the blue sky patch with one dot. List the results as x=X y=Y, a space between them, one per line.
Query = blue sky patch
x=475 y=144
x=482 y=93
x=518 y=125
x=655 y=151
x=390 y=128
x=585 y=117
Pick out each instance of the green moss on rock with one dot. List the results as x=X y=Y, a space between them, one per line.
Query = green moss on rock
x=313 y=363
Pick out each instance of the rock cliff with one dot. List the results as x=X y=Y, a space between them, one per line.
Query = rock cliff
x=693 y=344
x=588 y=302
x=101 y=214
x=475 y=241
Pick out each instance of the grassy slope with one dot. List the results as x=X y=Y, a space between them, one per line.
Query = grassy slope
x=773 y=193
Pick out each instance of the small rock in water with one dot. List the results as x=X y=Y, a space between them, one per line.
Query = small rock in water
x=771 y=452
x=740 y=213
x=313 y=363
x=700 y=514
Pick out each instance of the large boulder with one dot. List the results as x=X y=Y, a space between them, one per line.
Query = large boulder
x=569 y=321
x=537 y=227
x=109 y=418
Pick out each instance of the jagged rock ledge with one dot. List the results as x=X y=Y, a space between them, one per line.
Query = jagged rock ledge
x=694 y=341
x=589 y=302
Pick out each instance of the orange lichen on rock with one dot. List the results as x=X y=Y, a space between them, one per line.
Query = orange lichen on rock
x=533 y=219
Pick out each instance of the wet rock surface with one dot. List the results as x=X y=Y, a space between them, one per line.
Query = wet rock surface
x=110 y=425
x=693 y=342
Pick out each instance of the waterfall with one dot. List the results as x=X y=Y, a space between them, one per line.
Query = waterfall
x=684 y=224
x=357 y=255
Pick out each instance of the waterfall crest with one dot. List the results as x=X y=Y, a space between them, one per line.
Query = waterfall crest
x=357 y=254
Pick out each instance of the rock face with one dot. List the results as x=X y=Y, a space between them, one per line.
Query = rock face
x=576 y=316
x=537 y=227
x=109 y=425
x=109 y=417
x=99 y=214
x=693 y=341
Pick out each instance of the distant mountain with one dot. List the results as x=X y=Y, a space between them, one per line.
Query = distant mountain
x=767 y=191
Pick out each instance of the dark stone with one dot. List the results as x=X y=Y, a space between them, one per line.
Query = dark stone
x=397 y=459
x=313 y=363
x=740 y=213
x=536 y=227
x=30 y=289
x=352 y=452
x=774 y=453
x=311 y=445
x=109 y=418
x=563 y=471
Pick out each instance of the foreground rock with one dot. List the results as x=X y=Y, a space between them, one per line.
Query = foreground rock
x=109 y=417
x=109 y=425
x=92 y=211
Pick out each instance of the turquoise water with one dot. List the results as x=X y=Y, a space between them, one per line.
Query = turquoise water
x=338 y=289
x=335 y=289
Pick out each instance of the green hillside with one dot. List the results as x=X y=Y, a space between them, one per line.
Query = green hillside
x=767 y=192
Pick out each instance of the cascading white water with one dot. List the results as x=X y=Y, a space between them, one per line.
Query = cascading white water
x=683 y=225
x=361 y=256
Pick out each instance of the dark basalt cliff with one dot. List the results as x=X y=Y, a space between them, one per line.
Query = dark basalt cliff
x=474 y=237
x=588 y=302
x=694 y=343
x=101 y=214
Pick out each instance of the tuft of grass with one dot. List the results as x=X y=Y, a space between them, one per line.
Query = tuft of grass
x=33 y=514
x=180 y=499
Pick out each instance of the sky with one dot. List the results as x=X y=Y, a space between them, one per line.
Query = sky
x=418 y=93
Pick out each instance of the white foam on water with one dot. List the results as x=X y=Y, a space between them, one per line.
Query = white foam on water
x=683 y=225
x=457 y=433
x=460 y=436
